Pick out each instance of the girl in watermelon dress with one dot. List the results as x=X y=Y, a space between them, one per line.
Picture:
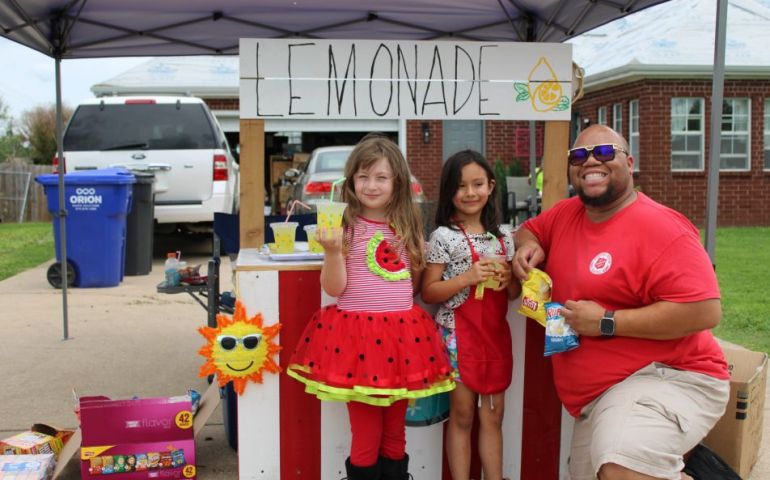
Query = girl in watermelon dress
x=375 y=348
x=469 y=273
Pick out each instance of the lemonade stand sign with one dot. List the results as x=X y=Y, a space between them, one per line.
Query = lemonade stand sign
x=368 y=79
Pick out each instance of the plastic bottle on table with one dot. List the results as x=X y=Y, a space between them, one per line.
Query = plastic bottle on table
x=171 y=269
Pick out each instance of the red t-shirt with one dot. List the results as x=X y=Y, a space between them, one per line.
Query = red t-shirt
x=643 y=254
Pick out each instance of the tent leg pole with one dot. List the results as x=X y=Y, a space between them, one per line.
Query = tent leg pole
x=717 y=92
x=62 y=214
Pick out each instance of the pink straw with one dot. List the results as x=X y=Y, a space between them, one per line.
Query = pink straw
x=291 y=209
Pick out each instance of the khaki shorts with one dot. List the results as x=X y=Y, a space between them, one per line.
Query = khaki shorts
x=647 y=422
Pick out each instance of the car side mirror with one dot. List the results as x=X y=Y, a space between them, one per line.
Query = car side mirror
x=291 y=174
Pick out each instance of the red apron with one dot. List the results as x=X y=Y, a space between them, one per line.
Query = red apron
x=484 y=353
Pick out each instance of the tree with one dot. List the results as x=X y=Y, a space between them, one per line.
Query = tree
x=39 y=127
x=11 y=142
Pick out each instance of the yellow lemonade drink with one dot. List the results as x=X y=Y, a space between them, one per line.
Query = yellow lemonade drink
x=330 y=214
x=493 y=282
x=284 y=233
x=312 y=243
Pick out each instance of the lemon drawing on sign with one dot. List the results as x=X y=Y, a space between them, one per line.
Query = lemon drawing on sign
x=547 y=94
x=239 y=349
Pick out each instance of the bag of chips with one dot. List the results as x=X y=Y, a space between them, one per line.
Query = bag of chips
x=559 y=336
x=535 y=293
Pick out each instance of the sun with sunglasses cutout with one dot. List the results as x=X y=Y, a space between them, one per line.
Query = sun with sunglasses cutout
x=239 y=349
x=604 y=152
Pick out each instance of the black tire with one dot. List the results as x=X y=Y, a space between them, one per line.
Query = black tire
x=54 y=275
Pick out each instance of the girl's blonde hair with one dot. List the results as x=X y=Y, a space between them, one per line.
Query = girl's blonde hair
x=402 y=211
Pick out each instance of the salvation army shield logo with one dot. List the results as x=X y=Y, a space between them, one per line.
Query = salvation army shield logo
x=601 y=263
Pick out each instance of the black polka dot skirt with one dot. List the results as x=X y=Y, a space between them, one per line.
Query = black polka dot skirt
x=371 y=357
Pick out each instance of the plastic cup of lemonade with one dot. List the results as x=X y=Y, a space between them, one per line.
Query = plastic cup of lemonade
x=284 y=233
x=312 y=243
x=490 y=282
x=330 y=214
x=493 y=282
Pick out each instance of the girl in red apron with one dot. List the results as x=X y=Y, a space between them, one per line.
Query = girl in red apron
x=469 y=273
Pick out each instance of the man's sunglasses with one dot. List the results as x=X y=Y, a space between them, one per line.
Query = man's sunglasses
x=229 y=342
x=603 y=153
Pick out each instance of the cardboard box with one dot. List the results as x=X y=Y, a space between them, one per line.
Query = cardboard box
x=139 y=438
x=39 y=439
x=276 y=170
x=208 y=403
x=26 y=467
x=300 y=159
x=738 y=434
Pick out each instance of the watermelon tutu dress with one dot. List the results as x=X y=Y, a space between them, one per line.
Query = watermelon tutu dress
x=375 y=345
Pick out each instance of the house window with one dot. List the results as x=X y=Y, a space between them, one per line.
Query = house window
x=687 y=134
x=633 y=131
x=601 y=116
x=767 y=134
x=735 y=134
x=617 y=118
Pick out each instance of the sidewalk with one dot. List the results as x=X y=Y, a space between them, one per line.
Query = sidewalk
x=124 y=341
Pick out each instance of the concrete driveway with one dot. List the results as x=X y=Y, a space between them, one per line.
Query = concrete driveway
x=124 y=341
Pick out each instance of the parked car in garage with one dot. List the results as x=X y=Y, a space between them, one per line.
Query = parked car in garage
x=313 y=183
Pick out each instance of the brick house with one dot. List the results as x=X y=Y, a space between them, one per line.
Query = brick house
x=651 y=80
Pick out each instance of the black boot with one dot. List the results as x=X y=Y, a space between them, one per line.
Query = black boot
x=362 y=473
x=394 y=469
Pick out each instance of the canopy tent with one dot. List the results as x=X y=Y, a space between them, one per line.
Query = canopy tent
x=65 y=29
x=96 y=28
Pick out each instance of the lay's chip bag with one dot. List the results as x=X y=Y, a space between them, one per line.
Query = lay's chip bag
x=535 y=293
x=559 y=336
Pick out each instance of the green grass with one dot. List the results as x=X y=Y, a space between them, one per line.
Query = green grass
x=23 y=246
x=743 y=269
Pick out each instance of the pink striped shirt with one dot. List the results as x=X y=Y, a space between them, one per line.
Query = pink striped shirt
x=365 y=290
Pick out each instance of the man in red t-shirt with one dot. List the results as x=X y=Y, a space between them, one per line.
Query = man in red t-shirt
x=648 y=380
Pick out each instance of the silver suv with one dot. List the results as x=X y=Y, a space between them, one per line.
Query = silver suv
x=177 y=138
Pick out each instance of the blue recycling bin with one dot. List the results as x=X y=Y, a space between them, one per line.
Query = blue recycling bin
x=97 y=203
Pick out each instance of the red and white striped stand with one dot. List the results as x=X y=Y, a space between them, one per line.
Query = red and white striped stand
x=284 y=433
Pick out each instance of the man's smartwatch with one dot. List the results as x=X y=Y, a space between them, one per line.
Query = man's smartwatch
x=607 y=324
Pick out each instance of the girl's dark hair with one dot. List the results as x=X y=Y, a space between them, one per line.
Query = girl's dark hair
x=451 y=175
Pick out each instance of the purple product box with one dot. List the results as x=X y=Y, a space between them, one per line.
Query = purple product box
x=137 y=439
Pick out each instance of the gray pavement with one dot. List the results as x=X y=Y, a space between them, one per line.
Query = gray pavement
x=125 y=341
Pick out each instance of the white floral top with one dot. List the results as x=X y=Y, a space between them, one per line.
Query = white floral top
x=448 y=246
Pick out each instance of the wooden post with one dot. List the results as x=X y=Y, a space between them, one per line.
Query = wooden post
x=556 y=144
x=252 y=221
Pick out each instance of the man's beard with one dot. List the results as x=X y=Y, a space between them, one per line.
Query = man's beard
x=609 y=196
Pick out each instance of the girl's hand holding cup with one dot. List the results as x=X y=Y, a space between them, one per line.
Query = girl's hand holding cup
x=331 y=239
x=504 y=274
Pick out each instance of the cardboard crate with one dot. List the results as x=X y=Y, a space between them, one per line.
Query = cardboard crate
x=738 y=434
x=277 y=168
x=139 y=438
x=300 y=159
x=208 y=404
x=39 y=439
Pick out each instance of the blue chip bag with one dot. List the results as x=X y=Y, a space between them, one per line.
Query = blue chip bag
x=559 y=336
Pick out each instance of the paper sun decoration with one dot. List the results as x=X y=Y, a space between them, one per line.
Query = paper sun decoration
x=239 y=349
